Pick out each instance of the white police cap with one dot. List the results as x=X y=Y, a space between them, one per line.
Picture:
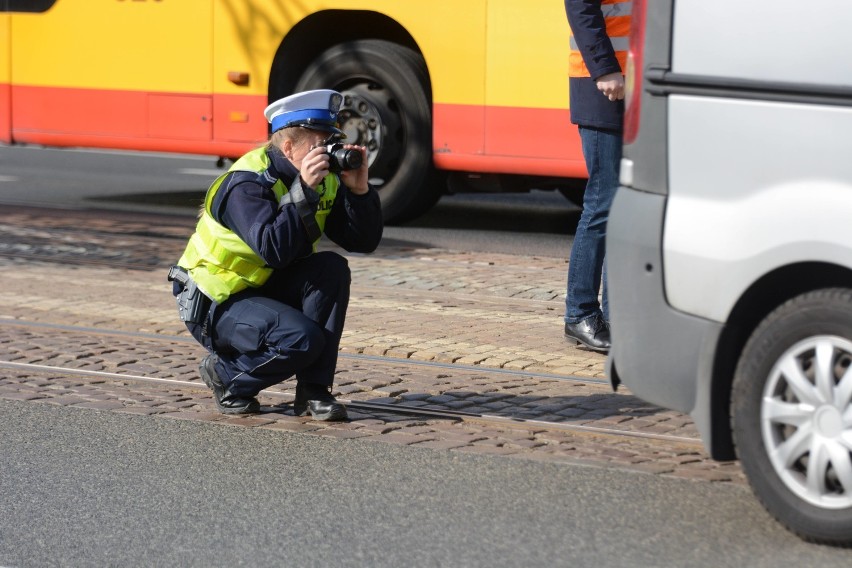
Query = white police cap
x=311 y=109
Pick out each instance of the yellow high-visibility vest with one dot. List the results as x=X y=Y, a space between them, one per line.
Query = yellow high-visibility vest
x=219 y=261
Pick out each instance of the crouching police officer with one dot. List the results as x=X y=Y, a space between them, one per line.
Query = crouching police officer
x=251 y=286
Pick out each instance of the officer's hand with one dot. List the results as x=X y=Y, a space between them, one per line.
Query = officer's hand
x=356 y=180
x=612 y=86
x=314 y=167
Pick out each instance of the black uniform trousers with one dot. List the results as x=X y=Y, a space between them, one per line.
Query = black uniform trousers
x=289 y=326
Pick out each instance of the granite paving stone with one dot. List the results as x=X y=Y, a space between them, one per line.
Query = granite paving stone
x=489 y=325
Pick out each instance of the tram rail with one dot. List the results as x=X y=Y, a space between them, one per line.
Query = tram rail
x=70 y=348
x=367 y=406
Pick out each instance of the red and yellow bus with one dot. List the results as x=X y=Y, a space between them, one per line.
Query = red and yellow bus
x=473 y=89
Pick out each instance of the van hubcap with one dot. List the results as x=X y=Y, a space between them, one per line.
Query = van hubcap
x=806 y=420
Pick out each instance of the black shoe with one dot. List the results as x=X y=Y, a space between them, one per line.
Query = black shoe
x=592 y=332
x=317 y=400
x=227 y=403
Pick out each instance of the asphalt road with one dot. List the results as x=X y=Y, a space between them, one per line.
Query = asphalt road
x=92 y=488
x=89 y=488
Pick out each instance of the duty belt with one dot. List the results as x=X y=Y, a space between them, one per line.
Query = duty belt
x=193 y=305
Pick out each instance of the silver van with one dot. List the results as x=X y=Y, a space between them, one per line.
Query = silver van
x=729 y=244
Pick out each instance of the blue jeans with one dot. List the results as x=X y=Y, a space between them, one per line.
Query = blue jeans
x=587 y=267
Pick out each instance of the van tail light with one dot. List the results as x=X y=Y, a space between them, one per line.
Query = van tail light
x=633 y=73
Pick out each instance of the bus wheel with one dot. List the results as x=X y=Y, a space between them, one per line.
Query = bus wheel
x=386 y=108
x=792 y=414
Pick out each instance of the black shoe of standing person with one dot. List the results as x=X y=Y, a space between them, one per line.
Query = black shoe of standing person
x=318 y=400
x=592 y=332
x=227 y=403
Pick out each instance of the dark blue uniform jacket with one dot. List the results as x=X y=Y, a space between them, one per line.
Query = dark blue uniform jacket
x=589 y=107
x=276 y=233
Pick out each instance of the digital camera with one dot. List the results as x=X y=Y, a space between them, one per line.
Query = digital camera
x=341 y=158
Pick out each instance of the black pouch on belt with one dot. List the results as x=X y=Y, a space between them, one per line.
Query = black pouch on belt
x=192 y=304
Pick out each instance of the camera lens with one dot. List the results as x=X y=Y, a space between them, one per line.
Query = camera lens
x=351 y=159
x=343 y=159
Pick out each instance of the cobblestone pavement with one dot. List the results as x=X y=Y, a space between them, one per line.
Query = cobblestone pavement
x=480 y=335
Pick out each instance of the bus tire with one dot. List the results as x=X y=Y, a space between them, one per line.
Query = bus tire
x=792 y=414
x=387 y=108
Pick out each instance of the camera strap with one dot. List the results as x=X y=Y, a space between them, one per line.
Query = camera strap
x=307 y=211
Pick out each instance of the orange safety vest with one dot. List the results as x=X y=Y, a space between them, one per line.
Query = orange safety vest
x=617 y=17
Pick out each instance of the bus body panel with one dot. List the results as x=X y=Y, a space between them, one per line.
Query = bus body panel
x=194 y=76
x=111 y=69
x=5 y=81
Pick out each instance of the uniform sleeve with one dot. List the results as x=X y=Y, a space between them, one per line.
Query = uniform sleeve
x=355 y=221
x=251 y=211
x=589 y=30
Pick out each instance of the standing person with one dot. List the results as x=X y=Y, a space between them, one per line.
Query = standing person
x=251 y=286
x=598 y=53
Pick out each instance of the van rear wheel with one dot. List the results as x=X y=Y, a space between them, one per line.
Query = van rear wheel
x=792 y=415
